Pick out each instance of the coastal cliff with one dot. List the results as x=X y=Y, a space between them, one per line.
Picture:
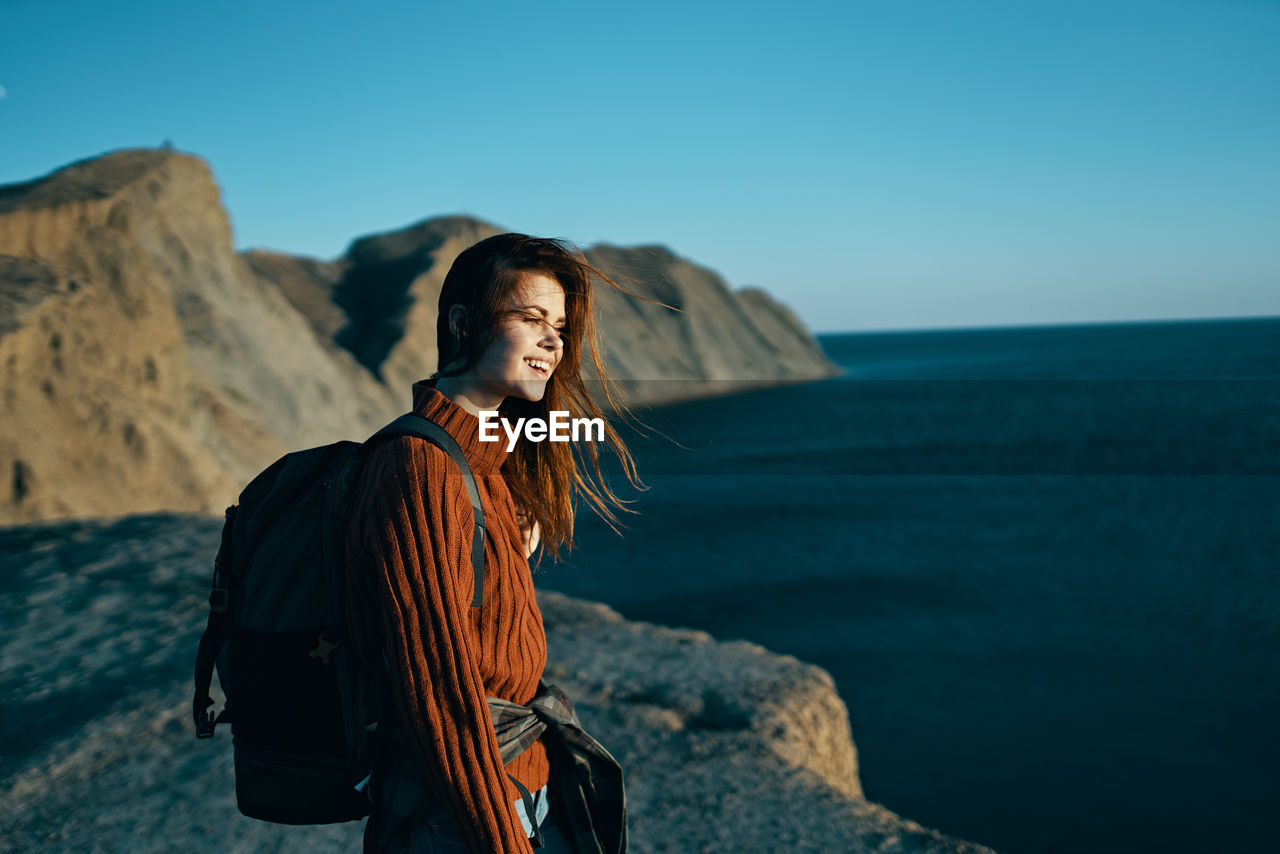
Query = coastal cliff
x=152 y=369
x=727 y=747
x=148 y=366
x=144 y=369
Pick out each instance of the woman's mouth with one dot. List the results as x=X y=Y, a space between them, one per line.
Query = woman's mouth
x=539 y=366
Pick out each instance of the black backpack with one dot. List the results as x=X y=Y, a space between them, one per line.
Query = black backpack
x=303 y=710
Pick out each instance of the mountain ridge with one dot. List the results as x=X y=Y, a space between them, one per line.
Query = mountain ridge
x=149 y=366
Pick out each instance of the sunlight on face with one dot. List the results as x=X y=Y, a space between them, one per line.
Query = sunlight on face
x=527 y=352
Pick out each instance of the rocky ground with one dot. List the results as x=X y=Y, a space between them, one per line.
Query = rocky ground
x=727 y=747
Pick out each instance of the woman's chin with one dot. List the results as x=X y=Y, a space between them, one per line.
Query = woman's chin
x=530 y=390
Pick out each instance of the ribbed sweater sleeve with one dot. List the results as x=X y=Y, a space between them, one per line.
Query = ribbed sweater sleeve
x=416 y=523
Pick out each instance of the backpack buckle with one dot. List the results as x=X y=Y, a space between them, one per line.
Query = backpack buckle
x=204 y=724
x=218 y=600
x=324 y=646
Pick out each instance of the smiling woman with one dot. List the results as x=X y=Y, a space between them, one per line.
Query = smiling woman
x=514 y=313
x=528 y=343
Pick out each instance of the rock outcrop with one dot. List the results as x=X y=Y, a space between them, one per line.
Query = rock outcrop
x=148 y=366
x=726 y=746
x=693 y=338
x=144 y=368
x=711 y=340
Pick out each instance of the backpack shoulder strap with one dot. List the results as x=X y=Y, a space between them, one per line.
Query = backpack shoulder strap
x=424 y=428
x=215 y=635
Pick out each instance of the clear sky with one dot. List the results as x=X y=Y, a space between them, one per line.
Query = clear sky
x=892 y=164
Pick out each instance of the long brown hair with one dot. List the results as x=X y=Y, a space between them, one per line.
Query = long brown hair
x=543 y=477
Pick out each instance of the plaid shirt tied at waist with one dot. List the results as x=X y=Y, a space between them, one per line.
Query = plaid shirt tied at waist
x=585 y=778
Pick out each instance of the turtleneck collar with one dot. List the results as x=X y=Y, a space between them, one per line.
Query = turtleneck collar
x=485 y=457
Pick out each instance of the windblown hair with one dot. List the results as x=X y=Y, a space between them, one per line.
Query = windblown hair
x=544 y=477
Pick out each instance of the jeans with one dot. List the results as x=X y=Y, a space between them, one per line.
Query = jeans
x=437 y=833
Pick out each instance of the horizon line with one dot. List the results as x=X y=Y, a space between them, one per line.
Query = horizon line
x=996 y=327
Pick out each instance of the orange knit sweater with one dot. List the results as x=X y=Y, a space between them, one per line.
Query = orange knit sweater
x=410 y=571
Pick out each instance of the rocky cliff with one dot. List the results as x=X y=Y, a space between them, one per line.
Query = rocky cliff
x=696 y=337
x=726 y=746
x=145 y=369
x=148 y=366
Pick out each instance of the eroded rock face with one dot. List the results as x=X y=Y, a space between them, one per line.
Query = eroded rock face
x=391 y=293
x=710 y=340
x=149 y=371
x=101 y=410
x=687 y=335
x=148 y=366
x=726 y=746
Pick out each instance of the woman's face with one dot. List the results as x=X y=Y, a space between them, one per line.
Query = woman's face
x=529 y=346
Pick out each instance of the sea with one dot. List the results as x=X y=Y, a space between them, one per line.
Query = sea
x=1042 y=565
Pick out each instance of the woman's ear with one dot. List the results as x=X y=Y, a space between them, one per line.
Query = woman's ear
x=458 y=320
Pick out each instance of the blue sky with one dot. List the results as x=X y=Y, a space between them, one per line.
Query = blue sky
x=896 y=164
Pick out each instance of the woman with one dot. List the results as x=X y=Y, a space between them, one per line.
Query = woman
x=514 y=312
